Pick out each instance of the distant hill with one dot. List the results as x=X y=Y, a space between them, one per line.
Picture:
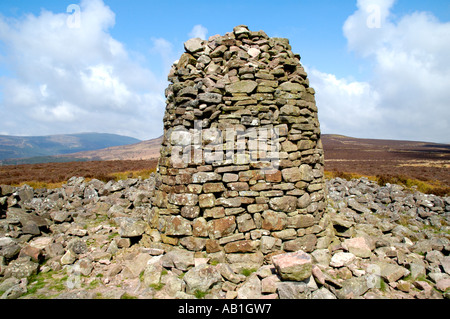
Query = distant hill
x=337 y=148
x=420 y=160
x=145 y=150
x=39 y=148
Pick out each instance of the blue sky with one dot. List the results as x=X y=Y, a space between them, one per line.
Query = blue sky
x=109 y=74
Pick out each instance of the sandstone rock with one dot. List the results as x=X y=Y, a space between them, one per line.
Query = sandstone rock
x=245 y=223
x=251 y=288
x=291 y=175
x=68 y=258
x=274 y=220
x=223 y=227
x=201 y=278
x=192 y=212
x=304 y=201
x=183 y=199
x=353 y=288
x=357 y=246
x=226 y=272
x=446 y=264
x=21 y=268
x=243 y=246
x=8 y=248
x=178 y=226
x=341 y=259
x=193 y=45
x=391 y=272
x=269 y=284
x=270 y=244
x=295 y=266
x=323 y=293
x=291 y=290
x=284 y=204
x=130 y=227
x=246 y=86
x=306 y=243
x=443 y=284
x=134 y=267
x=209 y=97
x=206 y=201
x=357 y=206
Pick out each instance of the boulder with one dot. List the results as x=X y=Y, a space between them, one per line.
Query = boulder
x=201 y=278
x=296 y=266
x=251 y=289
x=130 y=226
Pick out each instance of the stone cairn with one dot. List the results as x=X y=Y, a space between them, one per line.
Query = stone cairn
x=241 y=165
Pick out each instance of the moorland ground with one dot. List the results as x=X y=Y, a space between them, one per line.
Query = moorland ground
x=425 y=166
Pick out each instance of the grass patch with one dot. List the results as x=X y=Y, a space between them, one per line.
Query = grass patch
x=157 y=286
x=45 y=280
x=200 y=294
x=383 y=285
x=214 y=262
x=248 y=271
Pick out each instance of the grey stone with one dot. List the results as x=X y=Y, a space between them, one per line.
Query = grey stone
x=285 y=204
x=251 y=289
x=290 y=289
x=130 y=226
x=357 y=206
x=15 y=291
x=295 y=266
x=8 y=248
x=446 y=264
x=353 y=288
x=22 y=267
x=391 y=272
x=201 y=278
x=152 y=273
x=180 y=258
x=211 y=98
x=246 y=86
x=323 y=293
x=134 y=267
x=306 y=243
x=194 y=45
x=341 y=259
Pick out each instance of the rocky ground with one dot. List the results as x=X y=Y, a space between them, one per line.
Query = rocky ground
x=92 y=240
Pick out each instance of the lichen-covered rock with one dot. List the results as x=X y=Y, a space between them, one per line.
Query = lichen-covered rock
x=201 y=278
x=295 y=266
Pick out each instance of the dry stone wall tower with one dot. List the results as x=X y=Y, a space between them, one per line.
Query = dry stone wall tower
x=241 y=165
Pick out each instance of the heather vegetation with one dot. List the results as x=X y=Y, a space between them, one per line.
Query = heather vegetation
x=53 y=175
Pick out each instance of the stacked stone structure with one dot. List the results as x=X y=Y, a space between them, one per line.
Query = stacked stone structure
x=241 y=165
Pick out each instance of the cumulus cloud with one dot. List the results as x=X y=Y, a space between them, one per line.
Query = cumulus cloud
x=198 y=31
x=407 y=96
x=74 y=77
x=345 y=106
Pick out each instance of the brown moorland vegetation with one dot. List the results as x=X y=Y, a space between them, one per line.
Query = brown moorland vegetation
x=425 y=166
x=412 y=164
x=53 y=174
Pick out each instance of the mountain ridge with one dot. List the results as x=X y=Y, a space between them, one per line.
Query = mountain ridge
x=21 y=147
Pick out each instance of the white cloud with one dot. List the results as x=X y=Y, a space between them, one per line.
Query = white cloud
x=74 y=79
x=407 y=97
x=345 y=107
x=198 y=31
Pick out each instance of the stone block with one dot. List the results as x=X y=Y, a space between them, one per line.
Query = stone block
x=296 y=266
